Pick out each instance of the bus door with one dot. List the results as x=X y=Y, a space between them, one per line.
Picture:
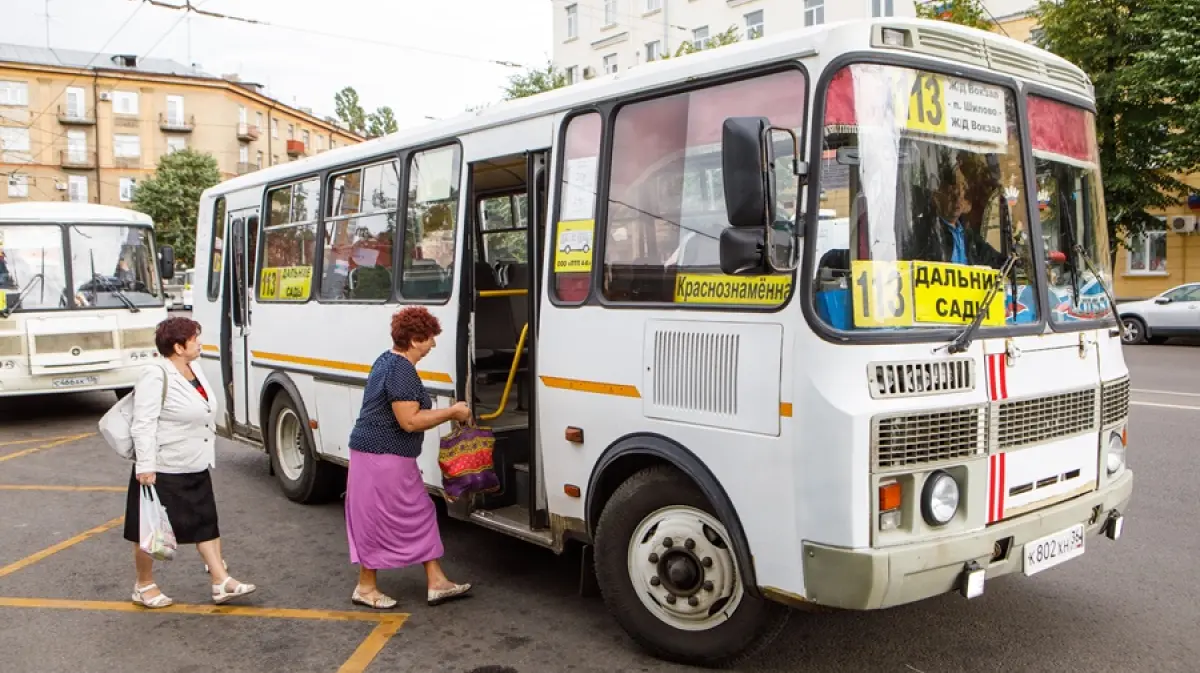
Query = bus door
x=243 y=228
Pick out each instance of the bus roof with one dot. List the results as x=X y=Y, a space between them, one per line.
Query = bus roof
x=969 y=46
x=62 y=211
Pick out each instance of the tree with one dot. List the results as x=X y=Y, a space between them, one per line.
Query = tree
x=381 y=122
x=1143 y=57
x=171 y=198
x=534 y=81
x=731 y=35
x=350 y=111
x=965 y=12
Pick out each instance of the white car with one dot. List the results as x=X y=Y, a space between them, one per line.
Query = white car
x=1173 y=313
x=187 y=289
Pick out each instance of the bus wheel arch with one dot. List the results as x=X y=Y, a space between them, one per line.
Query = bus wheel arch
x=287 y=436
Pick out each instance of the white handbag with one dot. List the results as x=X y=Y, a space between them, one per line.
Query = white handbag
x=116 y=426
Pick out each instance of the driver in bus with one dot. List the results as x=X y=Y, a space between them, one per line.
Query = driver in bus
x=944 y=235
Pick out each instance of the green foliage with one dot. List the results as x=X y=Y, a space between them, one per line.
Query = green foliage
x=730 y=36
x=381 y=122
x=349 y=110
x=172 y=196
x=534 y=81
x=1143 y=57
x=965 y=12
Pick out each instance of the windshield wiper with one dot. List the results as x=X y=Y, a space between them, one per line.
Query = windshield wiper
x=963 y=340
x=9 y=308
x=117 y=292
x=1112 y=303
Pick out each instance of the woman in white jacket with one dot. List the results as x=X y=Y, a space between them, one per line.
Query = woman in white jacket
x=173 y=438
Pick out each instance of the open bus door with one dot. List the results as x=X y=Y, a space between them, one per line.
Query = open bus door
x=235 y=370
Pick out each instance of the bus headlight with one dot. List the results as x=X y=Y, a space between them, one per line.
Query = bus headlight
x=1116 y=452
x=939 y=498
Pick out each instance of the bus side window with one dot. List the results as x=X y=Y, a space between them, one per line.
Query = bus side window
x=430 y=224
x=289 y=242
x=216 y=250
x=572 y=245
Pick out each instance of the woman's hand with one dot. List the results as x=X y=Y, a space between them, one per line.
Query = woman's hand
x=460 y=412
x=146 y=478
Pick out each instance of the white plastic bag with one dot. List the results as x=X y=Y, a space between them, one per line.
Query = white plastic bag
x=157 y=536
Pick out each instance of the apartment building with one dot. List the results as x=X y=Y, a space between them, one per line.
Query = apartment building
x=87 y=127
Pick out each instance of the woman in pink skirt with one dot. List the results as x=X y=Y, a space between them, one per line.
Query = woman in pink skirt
x=390 y=518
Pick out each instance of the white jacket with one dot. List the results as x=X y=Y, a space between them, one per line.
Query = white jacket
x=177 y=435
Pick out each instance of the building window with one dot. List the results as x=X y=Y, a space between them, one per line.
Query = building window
x=289 y=240
x=653 y=5
x=572 y=74
x=304 y=138
x=814 y=12
x=274 y=128
x=610 y=12
x=700 y=37
x=258 y=160
x=243 y=154
x=575 y=228
x=754 y=25
x=429 y=224
x=1037 y=37
x=127 y=146
x=1148 y=251
x=125 y=103
x=14 y=139
x=176 y=144
x=258 y=120
x=77 y=147
x=18 y=186
x=14 y=93
x=128 y=186
x=572 y=22
x=291 y=132
x=76 y=108
x=359 y=233
x=242 y=114
x=881 y=8
x=653 y=51
x=77 y=188
x=610 y=63
x=274 y=159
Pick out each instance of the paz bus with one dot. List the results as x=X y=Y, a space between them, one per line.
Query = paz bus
x=730 y=423
x=80 y=295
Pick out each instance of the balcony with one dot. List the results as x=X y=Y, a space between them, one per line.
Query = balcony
x=295 y=148
x=248 y=132
x=127 y=162
x=176 y=124
x=78 y=159
x=245 y=167
x=75 y=117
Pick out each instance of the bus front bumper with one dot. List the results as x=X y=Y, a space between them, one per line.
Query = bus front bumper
x=882 y=578
x=70 y=381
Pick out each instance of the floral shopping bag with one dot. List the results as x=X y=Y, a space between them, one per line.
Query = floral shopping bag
x=156 y=535
x=465 y=456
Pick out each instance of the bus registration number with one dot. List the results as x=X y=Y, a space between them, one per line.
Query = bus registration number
x=1053 y=549
x=74 y=382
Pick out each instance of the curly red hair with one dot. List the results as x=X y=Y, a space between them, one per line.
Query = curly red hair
x=172 y=331
x=414 y=323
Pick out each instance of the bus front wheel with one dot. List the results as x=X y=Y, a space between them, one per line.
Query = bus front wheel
x=302 y=476
x=667 y=571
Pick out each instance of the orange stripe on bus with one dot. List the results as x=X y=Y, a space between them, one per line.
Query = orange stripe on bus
x=438 y=377
x=785 y=409
x=617 y=389
x=210 y=348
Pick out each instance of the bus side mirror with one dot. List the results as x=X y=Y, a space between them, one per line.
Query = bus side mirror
x=166 y=262
x=744 y=172
x=742 y=251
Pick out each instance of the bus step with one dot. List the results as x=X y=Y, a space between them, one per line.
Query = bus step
x=521 y=483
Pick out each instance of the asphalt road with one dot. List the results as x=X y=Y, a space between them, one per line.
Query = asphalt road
x=1129 y=606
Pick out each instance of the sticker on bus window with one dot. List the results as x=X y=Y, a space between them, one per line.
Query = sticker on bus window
x=904 y=294
x=3 y=301
x=286 y=283
x=573 y=247
x=881 y=293
x=718 y=288
x=955 y=108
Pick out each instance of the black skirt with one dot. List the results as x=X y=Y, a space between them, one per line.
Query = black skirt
x=191 y=506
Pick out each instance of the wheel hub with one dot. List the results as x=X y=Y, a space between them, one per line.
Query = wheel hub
x=681 y=573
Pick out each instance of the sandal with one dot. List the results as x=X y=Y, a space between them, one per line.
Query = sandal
x=439 y=596
x=159 y=601
x=379 y=602
x=221 y=595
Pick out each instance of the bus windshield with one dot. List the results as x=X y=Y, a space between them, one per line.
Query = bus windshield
x=32 y=275
x=924 y=177
x=113 y=266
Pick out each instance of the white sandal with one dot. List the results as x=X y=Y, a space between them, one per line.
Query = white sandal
x=439 y=596
x=380 y=602
x=159 y=601
x=220 y=595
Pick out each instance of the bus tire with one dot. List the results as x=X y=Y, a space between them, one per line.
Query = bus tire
x=302 y=476
x=658 y=537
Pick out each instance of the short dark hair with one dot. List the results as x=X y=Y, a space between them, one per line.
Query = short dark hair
x=174 y=331
x=414 y=323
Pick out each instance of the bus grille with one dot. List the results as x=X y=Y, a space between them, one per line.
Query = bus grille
x=138 y=338
x=920 y=438
x=1115 y=402
x=909 y=379
x=1027 y=422
x=63 y=343
x=696 y=371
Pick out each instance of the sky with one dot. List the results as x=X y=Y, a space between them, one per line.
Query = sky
x=423 y=58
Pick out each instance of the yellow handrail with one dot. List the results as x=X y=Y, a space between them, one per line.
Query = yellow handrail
x=503 y=293
x=512 y=374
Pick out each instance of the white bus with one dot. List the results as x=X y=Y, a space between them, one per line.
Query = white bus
x=80 y=295
x=730 y=427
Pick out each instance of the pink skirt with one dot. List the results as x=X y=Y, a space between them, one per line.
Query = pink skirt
x=391 y=521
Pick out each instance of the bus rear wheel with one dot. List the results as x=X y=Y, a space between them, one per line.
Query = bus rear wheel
x=667 y=571
x=302 y=476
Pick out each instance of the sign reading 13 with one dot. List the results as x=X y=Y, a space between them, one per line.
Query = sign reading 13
x=927 y=104
x=882 y=293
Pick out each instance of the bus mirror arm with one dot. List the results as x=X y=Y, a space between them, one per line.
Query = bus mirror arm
x=743 y=251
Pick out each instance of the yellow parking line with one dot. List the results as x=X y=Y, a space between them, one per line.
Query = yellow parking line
x=51 y=487
x=48 y=551
x=63 y=440
x=397 y=618
x=370 y=647
x=30 y=441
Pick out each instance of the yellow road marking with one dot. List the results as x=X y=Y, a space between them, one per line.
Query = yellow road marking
x=438 y=377
x=73 y=489
x=48 y=551
x=370 y=647
x=30 y=441
x=51 y=445
x=617 y=389
x=396 y=618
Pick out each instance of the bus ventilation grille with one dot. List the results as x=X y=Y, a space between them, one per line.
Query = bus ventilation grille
x=903 y=440
x=696 y=371
x=1115 y=403
x=910 y=379
x=1043 y=419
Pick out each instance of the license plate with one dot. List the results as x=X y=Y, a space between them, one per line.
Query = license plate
x=74 y=382
x=1052 y=550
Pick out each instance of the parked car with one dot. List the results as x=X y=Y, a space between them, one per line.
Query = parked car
x=1173 y=313
x=187 y=289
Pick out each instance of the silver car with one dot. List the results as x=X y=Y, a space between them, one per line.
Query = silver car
x=1173 y=313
